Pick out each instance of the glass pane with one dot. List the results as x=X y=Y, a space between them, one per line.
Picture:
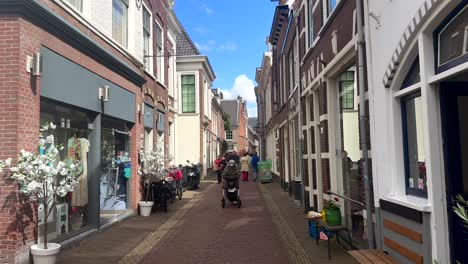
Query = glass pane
x=311 y=21
x=78 y=4
x=414 y=136
x=452 y=37
x=413 y=75
x=332 y=4
x=146 y=21
x=119 y=22
x=70 y=214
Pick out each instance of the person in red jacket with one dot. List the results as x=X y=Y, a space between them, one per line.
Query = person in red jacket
x=220 y=164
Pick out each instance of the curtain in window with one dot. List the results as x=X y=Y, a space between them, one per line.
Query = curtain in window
x=188 y=93
x=119 y=21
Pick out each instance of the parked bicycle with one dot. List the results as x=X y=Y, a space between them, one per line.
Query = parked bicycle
x=174 y=179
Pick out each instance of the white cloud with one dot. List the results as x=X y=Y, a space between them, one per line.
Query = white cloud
x=208 y=10
x=213 y=45
x=202 y=30
x=227 y=46
x=244 y=87
x=203 y=47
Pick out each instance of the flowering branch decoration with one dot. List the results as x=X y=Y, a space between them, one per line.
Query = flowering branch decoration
x=42 y=177
x=153 y=166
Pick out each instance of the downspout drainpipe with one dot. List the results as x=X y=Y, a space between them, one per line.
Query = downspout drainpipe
x=363 y=120
x=300 y=133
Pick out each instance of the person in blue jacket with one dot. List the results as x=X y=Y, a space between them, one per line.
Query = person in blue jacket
x=254 y=162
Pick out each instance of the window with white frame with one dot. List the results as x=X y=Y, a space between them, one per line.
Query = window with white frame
x=160 y=53
x=147 y=38
x=346 y=86
x=310 y=19
x=413 y=133
x=77 y=4
x=188 y=93
x=120 y=21
x=228 y=135
x=330 y=6
x=291 y=69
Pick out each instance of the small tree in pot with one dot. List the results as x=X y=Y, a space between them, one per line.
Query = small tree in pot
x=44 y=179
x=152 y=169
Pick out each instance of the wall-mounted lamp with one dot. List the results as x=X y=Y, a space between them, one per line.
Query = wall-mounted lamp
x=104 y=93
x=141 y=108
x=34 y=64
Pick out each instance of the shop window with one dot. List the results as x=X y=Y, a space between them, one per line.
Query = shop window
x=413 y=76
x=188 y=93
x=453 y=38
x=413 y=141
x=147 y=38
x=159 y=53
x=346 y=86
x=120 y=21
x=70 y=215
x=310 y=19
x=77 y=4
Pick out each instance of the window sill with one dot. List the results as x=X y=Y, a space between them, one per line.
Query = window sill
x=410 y=201
x=160 y=83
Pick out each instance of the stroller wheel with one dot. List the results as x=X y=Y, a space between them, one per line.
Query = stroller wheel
x=239 y=203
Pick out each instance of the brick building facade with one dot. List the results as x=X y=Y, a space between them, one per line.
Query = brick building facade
x=237 y=137
x=79 y=55
x=313 y=132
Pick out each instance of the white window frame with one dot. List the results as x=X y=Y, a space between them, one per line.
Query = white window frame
x=149 y=60
x=160 y=57
x=125 y=40
x=226 y=135
x=326 y=9
x=291 y=69
x=172 y=68
x=84 y=5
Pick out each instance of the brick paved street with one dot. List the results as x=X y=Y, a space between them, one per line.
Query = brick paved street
x=269 y=228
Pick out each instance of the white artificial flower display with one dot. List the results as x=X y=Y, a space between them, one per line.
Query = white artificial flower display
x=153 y=165
x=42 y=177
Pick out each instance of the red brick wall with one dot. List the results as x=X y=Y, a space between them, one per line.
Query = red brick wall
x=20 y=106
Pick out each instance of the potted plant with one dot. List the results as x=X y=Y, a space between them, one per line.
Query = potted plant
x=44 y=179
x=333 y=212
x=152 y=169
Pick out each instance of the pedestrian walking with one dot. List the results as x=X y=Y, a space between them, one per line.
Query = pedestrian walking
x=245 y=167
x=220 y=164
x=254 y=162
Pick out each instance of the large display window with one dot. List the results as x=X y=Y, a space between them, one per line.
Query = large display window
x=70 y=215
x=115 y=165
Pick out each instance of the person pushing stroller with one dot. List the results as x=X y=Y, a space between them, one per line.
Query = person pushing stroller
x=231 y=184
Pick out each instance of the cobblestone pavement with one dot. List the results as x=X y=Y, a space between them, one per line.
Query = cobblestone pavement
x=211 y=234
x=269 y=228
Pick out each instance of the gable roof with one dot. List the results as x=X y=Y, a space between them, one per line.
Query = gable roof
x=231 y=108
x=253 y=121
x=185 y=45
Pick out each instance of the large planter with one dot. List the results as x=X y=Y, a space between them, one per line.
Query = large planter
x=333 y=216
x=45 y=256
x=145 y=208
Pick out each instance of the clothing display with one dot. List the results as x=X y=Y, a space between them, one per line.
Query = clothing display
x=81 y=148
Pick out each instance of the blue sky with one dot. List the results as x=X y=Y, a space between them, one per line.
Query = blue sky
x=233 y=36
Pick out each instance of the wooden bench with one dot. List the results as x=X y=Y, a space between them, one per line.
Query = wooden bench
x=369 y=256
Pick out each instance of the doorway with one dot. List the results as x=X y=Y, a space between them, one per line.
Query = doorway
x=454 y=108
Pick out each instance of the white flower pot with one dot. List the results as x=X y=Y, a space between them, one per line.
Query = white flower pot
x=145 y=208
x=45 y=256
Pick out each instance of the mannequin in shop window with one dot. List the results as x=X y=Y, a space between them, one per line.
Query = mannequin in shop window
x=78 y=148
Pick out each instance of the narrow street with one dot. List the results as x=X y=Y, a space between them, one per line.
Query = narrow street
x=198 y=230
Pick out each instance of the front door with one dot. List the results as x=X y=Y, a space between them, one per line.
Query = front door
x=454 y=105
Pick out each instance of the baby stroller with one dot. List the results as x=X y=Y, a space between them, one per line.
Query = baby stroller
x=231 y=193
